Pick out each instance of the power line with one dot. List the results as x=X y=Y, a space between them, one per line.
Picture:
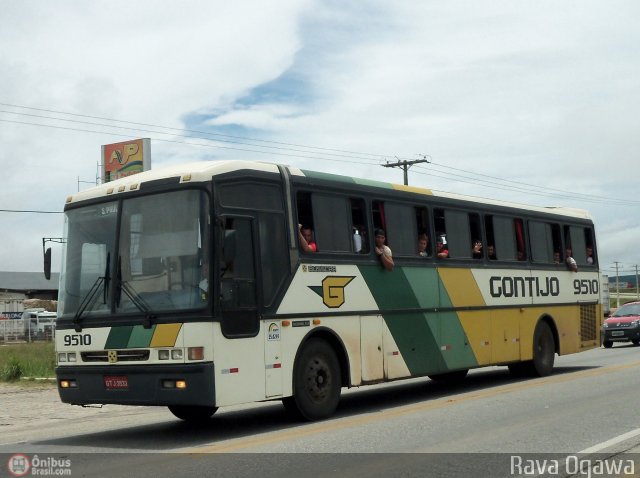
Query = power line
x=188 y=143
x=289 y=150
x=206 y=133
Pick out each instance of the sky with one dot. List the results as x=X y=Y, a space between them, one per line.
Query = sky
x=534 y=102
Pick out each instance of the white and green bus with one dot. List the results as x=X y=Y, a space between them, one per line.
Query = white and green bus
x=188 y=288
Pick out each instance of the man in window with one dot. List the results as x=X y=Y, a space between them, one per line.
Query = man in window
x=383 y=251
x=305 y=237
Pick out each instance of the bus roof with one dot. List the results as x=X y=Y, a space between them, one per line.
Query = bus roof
x=203 y=171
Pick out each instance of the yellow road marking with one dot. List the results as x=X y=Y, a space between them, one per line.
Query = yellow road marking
x=342 y=423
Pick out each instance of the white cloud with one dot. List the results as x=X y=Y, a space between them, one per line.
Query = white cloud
x=538 y=92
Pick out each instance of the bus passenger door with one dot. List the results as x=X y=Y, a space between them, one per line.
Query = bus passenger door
x=238 y=285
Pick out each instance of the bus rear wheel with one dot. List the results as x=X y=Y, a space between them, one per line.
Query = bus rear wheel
x=544 y=350
x=316 y=382
x=192 y=414
x=544 y=353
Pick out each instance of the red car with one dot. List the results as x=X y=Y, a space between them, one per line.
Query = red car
x=622 y=326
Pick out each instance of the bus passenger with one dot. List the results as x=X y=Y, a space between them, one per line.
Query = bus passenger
x=383 y=251
x=441 y=249
x=476 y=251
x=491 y=252
x=305 y=237
x=556 y=257
x=590 y=255
x=571 y=262
x=423 y=243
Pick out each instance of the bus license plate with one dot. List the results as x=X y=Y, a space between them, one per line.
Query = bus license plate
x=116 y=382
x=617 y=333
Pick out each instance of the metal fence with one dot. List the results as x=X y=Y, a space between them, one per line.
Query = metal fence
x=15 y=330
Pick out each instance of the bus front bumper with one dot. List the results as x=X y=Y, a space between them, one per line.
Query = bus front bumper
x=137 y=384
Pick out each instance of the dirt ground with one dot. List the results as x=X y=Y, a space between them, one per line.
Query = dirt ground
x=29 y=411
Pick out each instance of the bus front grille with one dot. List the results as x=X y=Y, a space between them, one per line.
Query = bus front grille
x=120 y=356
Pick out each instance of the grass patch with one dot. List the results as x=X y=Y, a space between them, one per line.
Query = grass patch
x=36 y=359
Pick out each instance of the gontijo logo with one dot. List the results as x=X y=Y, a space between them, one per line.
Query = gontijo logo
x=332 y=290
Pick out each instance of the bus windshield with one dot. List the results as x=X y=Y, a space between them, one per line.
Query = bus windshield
x=155 y=264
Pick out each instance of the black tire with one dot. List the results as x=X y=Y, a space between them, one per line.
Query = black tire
x=316 y=382
x=192 y=414
x=544 y=350
x=450 y=377
x=607 y=344
x=544 y=354
x=635 y=342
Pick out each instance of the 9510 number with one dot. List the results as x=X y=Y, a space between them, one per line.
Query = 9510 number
x=585 y=286
x=74 y=340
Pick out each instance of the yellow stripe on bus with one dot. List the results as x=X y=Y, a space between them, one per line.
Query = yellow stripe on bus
x=165 y=335
x=461 y=287
x=412 y=189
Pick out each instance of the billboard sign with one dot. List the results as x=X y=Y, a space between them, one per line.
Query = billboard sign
x=124 y=159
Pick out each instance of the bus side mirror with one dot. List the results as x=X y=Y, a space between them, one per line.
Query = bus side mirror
x=47 y=263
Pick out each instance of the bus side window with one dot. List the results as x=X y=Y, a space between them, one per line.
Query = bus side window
x=575 y=238
x=491 y=240
x=589 y=246
x=477 y=245
x=305 y=212
x=458 y=233
x=401 y=229
x=501 y=233
x=359 y=227
x=521 y=245
x=542 y=246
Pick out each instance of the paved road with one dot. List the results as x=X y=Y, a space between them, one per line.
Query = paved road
x=586 y=406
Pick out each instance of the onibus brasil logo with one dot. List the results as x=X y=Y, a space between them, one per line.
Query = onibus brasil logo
x=332 y=290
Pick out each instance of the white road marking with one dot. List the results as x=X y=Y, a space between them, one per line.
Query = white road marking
x=611 y=442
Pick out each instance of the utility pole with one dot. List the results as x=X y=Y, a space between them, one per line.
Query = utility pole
x=637 y=286
x=617 y=285
x=405 y=165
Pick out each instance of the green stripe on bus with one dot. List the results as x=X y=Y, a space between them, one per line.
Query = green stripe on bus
x=118 y=337
x=346 y=179
x=429 y=343
x=140 y=337
x=412 y=333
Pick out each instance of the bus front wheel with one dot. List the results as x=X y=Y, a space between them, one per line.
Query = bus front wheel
x=316 y=382
x=192 y=414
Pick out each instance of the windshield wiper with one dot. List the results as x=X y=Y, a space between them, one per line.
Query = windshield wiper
x=134 y=297
x=89 y=298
